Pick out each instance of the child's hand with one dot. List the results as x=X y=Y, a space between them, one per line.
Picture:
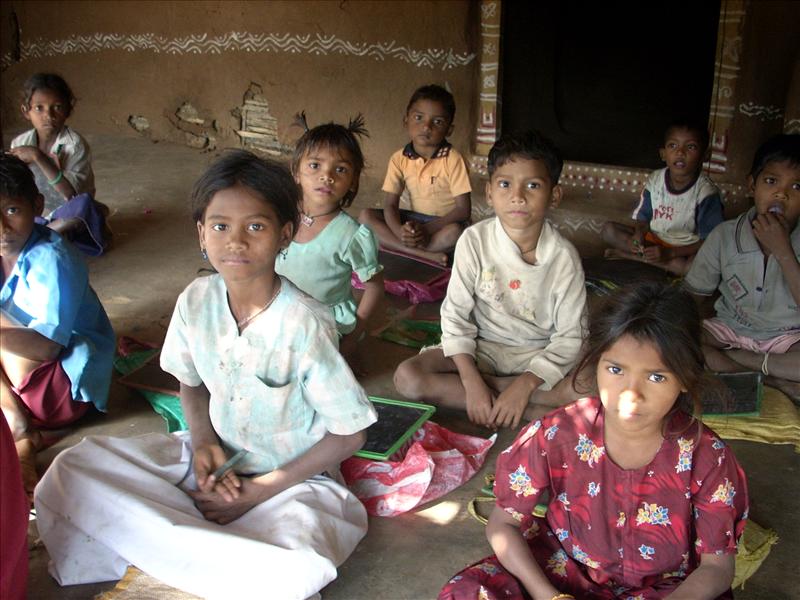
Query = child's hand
x=215 y=507
x=655 y=253
x=772 y=232
x=424 y=234
x=637 y=243
x=413 y=235
x=207 y=459
x=512 y=402
x=27 y=154
x=479 y=400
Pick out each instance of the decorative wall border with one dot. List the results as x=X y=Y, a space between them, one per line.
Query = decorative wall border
x=488 y=127
x=627 y=180
x=240 y=41
x=726 y=72
x=760 y=112
x=582 y=179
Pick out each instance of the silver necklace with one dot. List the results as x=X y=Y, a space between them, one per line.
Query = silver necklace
x=245 y=321
x=308 y=220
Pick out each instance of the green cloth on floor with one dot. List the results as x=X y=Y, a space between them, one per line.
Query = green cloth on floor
x=166 y=405
x=754 y=547
x=413 y=333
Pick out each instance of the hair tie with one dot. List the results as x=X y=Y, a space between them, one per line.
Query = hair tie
x=300 y=120
x=59 y=176
x=356 y=126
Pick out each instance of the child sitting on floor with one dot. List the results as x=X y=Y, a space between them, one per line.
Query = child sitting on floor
x=61 y=163
x=512 y=318
x=753 y=262
x=56 y=343
x=643 y=500
x=329 y=245
x=678 y=209
x=261 y=380
x=434 y=175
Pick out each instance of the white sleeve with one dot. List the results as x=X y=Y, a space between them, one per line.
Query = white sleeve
x=459 y=330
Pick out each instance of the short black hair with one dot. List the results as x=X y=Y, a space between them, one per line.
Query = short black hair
x=16 y=179
x=334 y=136
x=692 y=125
x=435 y=93
x=268 y=178
x=47 y=81
x=530 y=145
x=784 y=147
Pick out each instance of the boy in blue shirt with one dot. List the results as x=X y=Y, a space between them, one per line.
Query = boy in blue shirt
x=56 y=342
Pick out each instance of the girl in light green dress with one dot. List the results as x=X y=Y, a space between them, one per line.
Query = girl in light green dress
x=329 y=244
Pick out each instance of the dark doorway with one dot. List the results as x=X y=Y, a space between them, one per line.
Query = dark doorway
x=603 y=79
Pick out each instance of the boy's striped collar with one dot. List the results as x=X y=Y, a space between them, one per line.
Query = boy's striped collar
x=442 y=152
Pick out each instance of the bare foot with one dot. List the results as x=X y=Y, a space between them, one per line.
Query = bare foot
x=614 y=253
x=64 y=226
x=439 y=258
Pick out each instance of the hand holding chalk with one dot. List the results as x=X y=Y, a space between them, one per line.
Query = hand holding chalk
x=210 y=476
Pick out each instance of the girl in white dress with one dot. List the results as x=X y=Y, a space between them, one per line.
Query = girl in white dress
x=260 y=379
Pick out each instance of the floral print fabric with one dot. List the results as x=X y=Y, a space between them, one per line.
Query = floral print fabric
x=611 y=532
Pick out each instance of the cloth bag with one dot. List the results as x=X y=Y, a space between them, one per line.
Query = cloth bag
x=433 y=463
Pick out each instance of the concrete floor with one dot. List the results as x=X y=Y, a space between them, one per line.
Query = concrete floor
x=155 y=256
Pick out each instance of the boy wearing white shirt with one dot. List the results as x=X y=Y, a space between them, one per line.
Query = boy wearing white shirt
x=512 y=321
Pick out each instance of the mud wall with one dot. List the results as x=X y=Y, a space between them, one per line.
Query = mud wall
x=133 y=65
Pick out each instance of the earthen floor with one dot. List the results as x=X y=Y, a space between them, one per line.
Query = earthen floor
x=155 y=255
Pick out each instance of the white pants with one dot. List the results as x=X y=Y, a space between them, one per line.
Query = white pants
x=110 y=502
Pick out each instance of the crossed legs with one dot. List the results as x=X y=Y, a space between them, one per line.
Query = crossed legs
x=432 y=377
x=782 y=370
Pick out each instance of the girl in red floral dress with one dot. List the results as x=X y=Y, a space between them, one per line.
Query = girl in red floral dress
x=644 y=501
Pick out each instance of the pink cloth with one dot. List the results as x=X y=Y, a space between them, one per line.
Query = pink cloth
x=415 y=292
x=13 y=520
x=437 y=462
x=777 y=345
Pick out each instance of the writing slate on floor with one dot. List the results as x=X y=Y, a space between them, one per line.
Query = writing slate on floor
x=397 y=419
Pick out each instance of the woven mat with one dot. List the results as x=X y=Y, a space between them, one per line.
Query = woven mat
x=136 y=585
x=778 y=423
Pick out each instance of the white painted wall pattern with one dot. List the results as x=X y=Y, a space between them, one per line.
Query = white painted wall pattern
x=240 y=41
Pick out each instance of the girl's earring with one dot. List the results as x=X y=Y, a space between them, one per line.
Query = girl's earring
x=283 y=252
x=203 y=253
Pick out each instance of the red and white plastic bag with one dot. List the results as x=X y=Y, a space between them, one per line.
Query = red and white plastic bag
x=436 y=462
